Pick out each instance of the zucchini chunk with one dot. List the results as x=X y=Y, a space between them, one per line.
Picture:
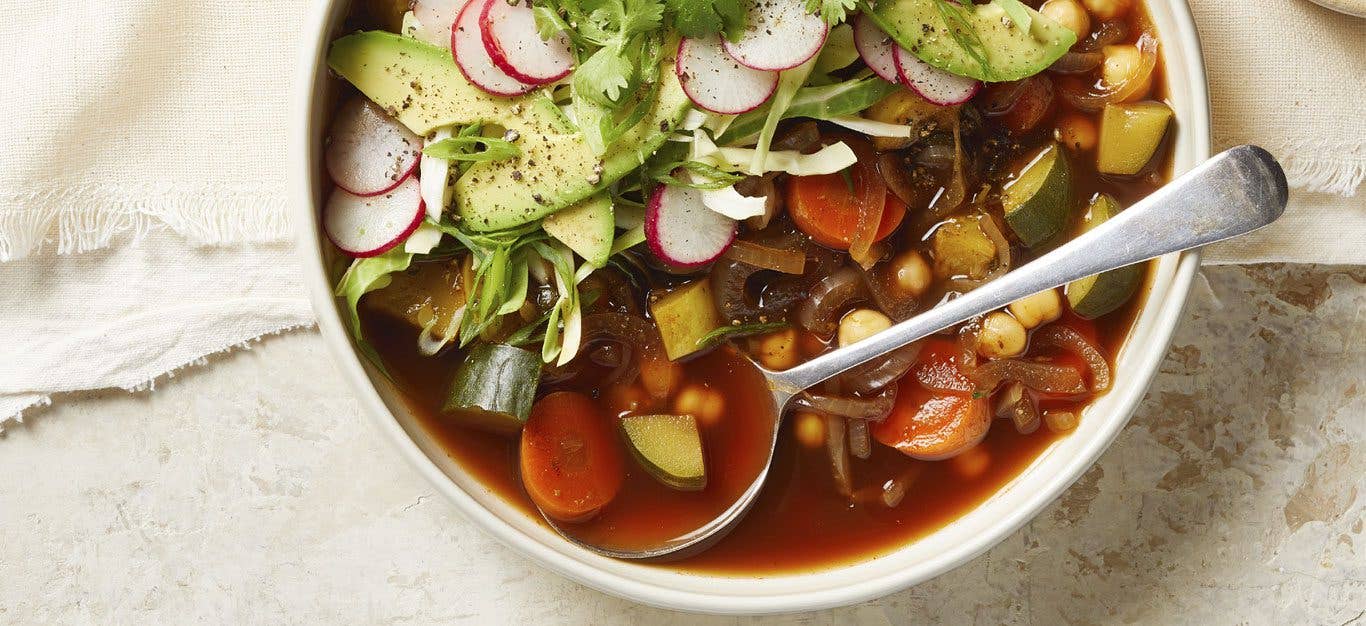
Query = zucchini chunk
x=1094 y=296
x=494 y=389
x=1130 y=135
x=669 y=447
x=1037 y=201
x=685 y=316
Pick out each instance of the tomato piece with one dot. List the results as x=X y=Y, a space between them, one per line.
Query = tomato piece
x=571 y=462
x=933 y=426
x=824 y=208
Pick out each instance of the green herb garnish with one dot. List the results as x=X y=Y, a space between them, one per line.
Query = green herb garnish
x=739 y=330
x=832 y=11
x=472 y=149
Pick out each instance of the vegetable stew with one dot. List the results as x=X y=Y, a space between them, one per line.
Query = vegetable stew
x=569 y=237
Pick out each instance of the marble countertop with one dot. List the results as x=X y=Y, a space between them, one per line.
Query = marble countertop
x=252 y=490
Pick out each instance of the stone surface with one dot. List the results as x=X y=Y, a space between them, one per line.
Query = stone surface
x=252 y=491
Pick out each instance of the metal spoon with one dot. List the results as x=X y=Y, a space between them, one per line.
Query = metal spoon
x=1236 y=192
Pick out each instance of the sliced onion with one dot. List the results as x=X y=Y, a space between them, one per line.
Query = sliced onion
x=1107 y=34
x=1093 y=99
x=892 y=300
x=765 y=257
x=1067 y=338
x=860 y=444
x=1025 y=416
x=1044 y=377
x=875 y=375
x=837 y=450
x=873 y=408
x=998 y=239
x=829 y=299
x=761 y=187
x=869 y=201
x=1001 y=97
x=657 y=371
x=430 y=341
x=1076 y=63
x=800 y=137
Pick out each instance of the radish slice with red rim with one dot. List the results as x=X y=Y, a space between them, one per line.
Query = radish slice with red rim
x=718 y=83
x=435 y=18
x=932 y=83
x=876 y=48
x=779 y=35
x=511 y=39
x=368 y=152
x=682 y=231
x=370 y=226
x=467 y=45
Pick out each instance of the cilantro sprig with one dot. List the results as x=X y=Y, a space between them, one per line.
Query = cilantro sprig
x=832 y=11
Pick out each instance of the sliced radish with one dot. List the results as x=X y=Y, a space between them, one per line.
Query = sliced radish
x=779 y=35
x=467 y=45
x=435 y=18
x=510 y=36
x=716 y=82
x=932 y=83
x=877 y=48
x=682 y=231
x=370 y=226
x=368 y=152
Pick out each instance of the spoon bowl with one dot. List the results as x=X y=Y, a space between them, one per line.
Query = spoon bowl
x=1235 y=192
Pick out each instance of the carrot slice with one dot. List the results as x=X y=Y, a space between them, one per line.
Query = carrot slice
x=571 y=463
x=824 y=208
x=937 y=367
x=934 y=424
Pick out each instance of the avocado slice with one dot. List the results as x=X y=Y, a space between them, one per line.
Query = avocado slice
x=1009 y=50
x=669 y=447
x=1036 y=203
x=1130 y=135
x=420 y=85
x=1094 y=296
x=494 y=389
x=586 y=227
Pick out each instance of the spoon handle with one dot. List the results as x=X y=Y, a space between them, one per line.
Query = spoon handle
x=1236 y=192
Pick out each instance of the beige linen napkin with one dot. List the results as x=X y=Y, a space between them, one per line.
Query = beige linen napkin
x=140 y=137
x=143 y=176
x=1290 y=75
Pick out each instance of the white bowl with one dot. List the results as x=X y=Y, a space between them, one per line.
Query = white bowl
x=954 y=544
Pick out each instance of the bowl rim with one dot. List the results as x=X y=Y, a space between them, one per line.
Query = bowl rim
x=1169 y=304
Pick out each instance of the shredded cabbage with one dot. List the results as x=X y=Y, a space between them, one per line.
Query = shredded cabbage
x=731 y=203
x=872 y=128
x=828 y=160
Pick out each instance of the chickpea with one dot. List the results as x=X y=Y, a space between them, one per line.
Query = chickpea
x=1076 y=131
x=1068 y=13
x=778 y=350
x=810 y=429
x=701 y=402
x=1060 y=421
x=1002 y=336
x=861 y=324
x=1121 y=63
x=622 y=399
x=1108 y=9
x=911 y=273
x=660 y=377
x=971 y=463
x=1036 y=310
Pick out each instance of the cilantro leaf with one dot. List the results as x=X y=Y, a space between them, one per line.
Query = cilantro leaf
x=832 y=11
x=698 y=18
